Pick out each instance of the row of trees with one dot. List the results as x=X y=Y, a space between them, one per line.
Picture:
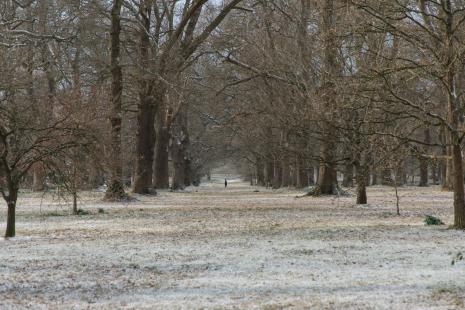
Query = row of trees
x=131 y=92
x=370 y=89
x=95 y=92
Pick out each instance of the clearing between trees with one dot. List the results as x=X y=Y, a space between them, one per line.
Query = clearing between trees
x=213 y=247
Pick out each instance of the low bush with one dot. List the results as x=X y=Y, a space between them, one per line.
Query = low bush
x=432 y=220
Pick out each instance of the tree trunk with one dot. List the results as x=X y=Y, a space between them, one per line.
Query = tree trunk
x=423 y=172
x=435 y=172
x=115 y=190
x=449 y=173
x=38 y=178
x=11 y=212
x=386 y=177
x=144 y=147
x=361 y=172
x=424 y=160
x=317 y=172
x=161 y=172
x=311 y=175
x=179 y=169
x=348 y=180
x=285 y=176
x=11 y=220
x=374 y=180
x=259 y=171
x=75 y=205
x=145 y=136
x=400 y=174
x=327 y=181
x=180 y=142
x=459 y=199
x=269 y=173
x=188 y=172
x=444 y=162
x=302 y=175
x=454 y=117
x=277 y=174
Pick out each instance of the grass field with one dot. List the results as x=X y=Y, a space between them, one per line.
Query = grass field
x=218 y=248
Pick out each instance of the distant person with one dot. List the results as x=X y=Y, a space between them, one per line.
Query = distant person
x=225 y=183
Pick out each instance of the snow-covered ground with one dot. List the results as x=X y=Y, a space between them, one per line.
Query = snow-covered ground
x=212 y=247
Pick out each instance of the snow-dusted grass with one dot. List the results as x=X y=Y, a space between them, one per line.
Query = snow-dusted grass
x=234 y=248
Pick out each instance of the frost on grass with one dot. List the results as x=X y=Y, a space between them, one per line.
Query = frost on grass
x=216 y=248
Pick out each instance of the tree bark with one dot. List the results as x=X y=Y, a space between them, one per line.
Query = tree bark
x=435 y=172
x=115 y=190
x=327 y=181
x=400 y=174
x=454 y=116
x=180 y=142
x=445 y=184
x=423 y=172
x=268 y=173
x=448 y=183
x=302 y=175
x=285 y=175
x=277 y=174
x=38 y=178
x=386 y=177
x=75 y=204
x=147 y=108
x=144 y=147
x=311 y=175
x=161 y=172
x=11 y=200
x=259 y=171
x=459 y=199
x=424 y=160
x=374 y=180
x=179 y=169
x=361 y=172
x=188 y=172
x=348 y=180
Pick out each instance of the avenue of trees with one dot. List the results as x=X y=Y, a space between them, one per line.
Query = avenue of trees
x=140 y=95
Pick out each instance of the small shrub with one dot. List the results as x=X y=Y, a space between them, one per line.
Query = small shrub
x=101 y=211
x=432 y=220
x=82 y=212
